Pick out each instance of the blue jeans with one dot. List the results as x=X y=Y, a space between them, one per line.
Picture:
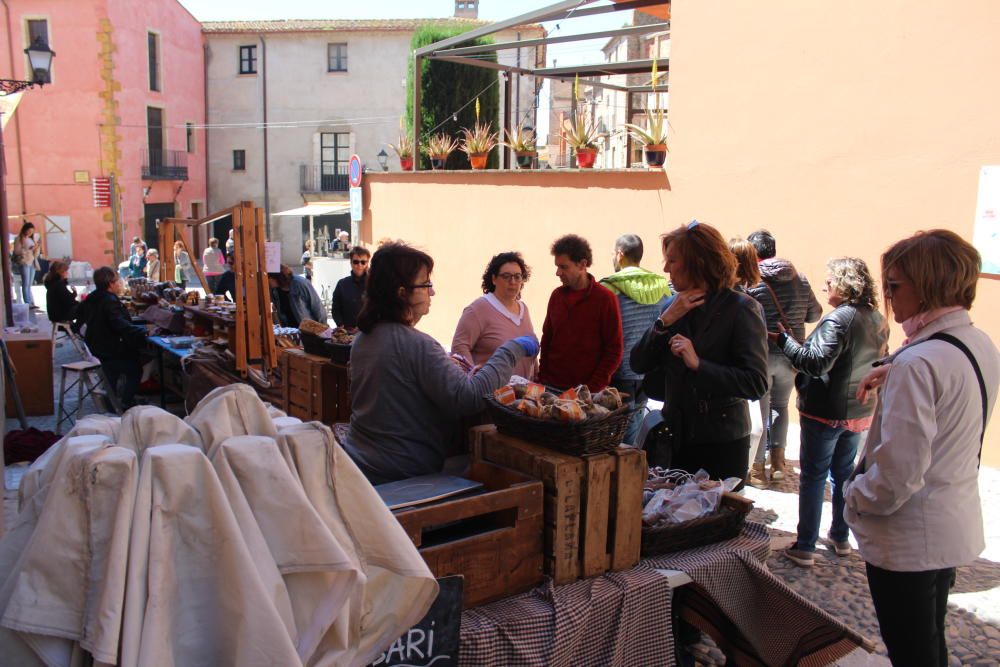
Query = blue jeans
x=825 y=452
x=636 y=399
x=27 y=273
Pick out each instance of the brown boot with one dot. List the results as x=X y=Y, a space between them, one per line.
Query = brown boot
x=758 y=477
x=778 y=463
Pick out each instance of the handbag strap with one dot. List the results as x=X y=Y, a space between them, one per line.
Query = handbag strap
x=781 y=312
x=948 y=338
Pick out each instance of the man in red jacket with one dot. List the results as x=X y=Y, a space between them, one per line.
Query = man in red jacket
x=582 y=334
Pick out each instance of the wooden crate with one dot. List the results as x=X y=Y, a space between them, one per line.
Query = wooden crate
x=493 y=538
x=593 y=504
x=31 y=356
x=315 y=388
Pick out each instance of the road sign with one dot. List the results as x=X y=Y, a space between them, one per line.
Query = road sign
x=354 y=171
x=355 y=204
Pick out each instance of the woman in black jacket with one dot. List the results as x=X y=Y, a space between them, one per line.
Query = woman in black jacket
x=60 y=299
x=831 y=363
x=711 y=345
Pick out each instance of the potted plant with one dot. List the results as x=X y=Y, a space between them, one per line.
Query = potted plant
x=581 y=133
x=404 y=149
x=477 y=143
x=439 y=147
x=522 y=142
x=653 y=137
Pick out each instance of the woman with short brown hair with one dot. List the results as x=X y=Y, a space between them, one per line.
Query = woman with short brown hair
x=913 y=502
x=711 y=346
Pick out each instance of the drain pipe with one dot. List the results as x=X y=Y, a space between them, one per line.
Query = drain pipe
x=267 y=196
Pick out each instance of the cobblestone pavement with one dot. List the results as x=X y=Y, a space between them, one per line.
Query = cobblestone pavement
x=838 y=584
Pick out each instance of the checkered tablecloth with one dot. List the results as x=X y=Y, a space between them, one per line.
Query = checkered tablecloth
x=624 y=618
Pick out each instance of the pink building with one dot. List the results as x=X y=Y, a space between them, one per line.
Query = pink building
x=127 y=101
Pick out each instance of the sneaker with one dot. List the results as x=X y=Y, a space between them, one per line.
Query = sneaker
x=841 y=548
x=800 y=557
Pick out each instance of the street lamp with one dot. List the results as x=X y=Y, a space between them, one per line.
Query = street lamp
x=40 y=60
x=383 y=160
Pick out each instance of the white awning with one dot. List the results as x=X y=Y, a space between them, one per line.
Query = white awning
x=318 y=208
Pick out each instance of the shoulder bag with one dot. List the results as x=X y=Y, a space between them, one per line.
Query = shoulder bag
x=781 y=312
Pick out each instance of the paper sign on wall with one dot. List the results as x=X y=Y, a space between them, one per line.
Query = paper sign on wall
x=272 y=256
x=986 y=233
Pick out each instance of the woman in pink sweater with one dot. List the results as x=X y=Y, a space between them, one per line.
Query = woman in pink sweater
x=498 y=315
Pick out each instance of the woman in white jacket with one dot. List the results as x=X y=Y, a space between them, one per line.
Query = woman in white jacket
x=913 y=502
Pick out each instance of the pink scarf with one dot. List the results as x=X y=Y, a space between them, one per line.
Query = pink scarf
x=915 y=324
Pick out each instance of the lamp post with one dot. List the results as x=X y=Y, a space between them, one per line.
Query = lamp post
x=383 y=160
x=40 y=60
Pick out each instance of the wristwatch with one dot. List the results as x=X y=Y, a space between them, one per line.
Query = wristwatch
x=659 y=326
x=782 y=337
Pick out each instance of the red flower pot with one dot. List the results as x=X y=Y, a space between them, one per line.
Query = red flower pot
x=478 y=160
x=406 y=163
x=585 y=157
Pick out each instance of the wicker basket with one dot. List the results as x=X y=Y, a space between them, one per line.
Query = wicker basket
x=725 y=524
x=590 y=436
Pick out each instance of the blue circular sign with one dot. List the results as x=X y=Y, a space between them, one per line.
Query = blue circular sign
x=354 y=171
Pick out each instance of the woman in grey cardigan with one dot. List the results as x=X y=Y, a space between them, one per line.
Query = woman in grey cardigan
x=407 y=395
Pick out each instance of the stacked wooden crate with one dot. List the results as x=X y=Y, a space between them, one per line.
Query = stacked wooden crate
x=315 y=388
x=593 y=504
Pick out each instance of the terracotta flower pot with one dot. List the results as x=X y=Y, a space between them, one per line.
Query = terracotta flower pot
x=478 y=160
x=656 y=155
x=525 y=159
x=585 y=157
x=406 y=163
x=437 y=161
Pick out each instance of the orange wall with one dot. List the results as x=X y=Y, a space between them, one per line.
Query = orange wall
x=841 y=129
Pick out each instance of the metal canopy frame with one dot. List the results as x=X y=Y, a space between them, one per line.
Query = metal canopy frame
x=451 y=50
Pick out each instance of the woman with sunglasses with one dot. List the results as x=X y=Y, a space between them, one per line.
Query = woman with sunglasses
x=407 y=396
x=346 y=301
x=497 y=316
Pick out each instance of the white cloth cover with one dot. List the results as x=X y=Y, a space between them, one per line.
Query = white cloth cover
x=285 y=422
x=231 y=410
x=193 y=595
x=148 y=426
x=398 y=588
x=270 y=506
x=68 y=584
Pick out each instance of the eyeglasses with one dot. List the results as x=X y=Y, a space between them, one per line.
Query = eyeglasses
x=359 y=262
x=511 y=277
x=426 y=285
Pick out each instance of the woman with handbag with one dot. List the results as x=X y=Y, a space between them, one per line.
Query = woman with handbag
x=913 y=502
x=25 y=255
x=711 y=346
x=830 y=364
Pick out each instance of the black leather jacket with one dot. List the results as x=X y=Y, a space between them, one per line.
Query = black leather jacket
x=110 y=332
x=834 y=359
x=710 y=405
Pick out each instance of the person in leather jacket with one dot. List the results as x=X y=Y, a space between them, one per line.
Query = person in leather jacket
x=711 y=344
x=111 y=336
x=831 y=363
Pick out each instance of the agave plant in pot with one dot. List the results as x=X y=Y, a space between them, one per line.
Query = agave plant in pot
x=522 y=141
x=439 y=147
x=581 y=133
x=404 y=149
x=653 y=137
x=477 y=143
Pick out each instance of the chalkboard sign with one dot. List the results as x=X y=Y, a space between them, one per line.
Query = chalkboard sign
x=434 y=640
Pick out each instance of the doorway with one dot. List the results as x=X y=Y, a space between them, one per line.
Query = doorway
x=154 y=213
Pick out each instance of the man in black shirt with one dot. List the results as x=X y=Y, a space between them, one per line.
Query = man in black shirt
x=346 y=303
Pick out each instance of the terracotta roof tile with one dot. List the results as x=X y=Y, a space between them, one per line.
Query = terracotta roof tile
x=325 y=25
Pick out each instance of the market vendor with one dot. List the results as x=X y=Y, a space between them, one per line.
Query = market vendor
x=295 y=298
x=408 y=396
x=111 y=336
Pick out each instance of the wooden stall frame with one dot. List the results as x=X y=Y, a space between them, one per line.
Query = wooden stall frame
x=254 y=324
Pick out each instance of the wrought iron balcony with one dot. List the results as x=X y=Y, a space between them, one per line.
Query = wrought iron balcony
x=164 y=165
x=315 y=178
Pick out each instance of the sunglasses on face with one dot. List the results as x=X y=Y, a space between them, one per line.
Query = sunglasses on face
x=359 y=262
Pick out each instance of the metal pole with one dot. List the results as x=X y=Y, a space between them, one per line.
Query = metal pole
x=628 y=135
x=8 y=290
x=115 y=231
x=506 y=119
x=416 y=111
